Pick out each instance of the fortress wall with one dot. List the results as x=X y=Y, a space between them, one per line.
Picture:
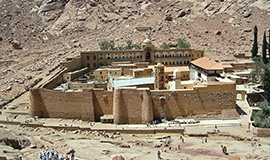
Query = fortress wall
x=103 y=103
x=73 y=64
x=58 y=78
x=87 y=105
x=127 y=107
x=132 y=105
x=48 y=103
x=201 y=101
x=55 y=80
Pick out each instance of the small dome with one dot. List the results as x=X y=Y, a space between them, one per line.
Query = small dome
x=159 y=64
x=147 y=41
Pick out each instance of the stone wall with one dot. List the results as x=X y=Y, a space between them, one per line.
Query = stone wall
x=55 y=80
x=133 y=105
x=87 y=105
x=73 y=64
x=58 y=78
x=211 y=99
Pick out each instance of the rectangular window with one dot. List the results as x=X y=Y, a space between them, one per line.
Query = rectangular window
x=88 y=57
x=100 y=72
x=94 y=57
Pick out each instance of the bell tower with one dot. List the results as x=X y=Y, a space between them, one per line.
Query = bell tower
x=148 y=51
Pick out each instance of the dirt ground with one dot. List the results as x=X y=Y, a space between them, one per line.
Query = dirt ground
x=98 y=145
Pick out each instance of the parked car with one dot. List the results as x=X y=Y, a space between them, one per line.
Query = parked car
x=256 y=88
x=259 y=86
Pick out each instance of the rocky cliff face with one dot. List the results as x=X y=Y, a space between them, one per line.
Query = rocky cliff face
x=36 y=35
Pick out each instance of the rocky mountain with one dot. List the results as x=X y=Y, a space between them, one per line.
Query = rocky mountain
x=36 y=35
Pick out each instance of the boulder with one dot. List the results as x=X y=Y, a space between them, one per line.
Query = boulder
x=9 y=88
x=93 y=3
x=118 y=158
x=12 y=140
x=247 y=30
x=91 y=25
x=33 y=146
x=49 y=5
x=124 y=146
x=13 y=107
x=247 y=14
x=181 y=14
x=16 y=45
x=111 y=17
x=218 y=32
x=168 y=18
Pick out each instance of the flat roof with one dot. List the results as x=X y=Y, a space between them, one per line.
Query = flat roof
x=180 y=68
x=132 y=81
x=126 y=65
x=141 y=69
x=207 y=64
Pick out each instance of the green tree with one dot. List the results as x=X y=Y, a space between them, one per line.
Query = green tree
x=264 y=46
x=182 y=43
x=110 y=45
x=129 y=45
x=137 y=46
x=266 y=83
x=269 y=47
x=107 y=45
x=262 y=117
x=165 y=46
x=258 y=70
x=254 y=50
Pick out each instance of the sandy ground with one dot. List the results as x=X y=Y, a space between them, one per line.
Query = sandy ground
x=94 y=145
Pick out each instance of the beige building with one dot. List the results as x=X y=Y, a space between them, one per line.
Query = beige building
x=206 y=69
x=102 y=74
x=149 y=53
x=141 y=72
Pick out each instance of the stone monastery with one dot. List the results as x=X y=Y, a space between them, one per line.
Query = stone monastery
x=135 y=86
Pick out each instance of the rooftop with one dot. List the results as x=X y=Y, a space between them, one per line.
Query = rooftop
x=207 y=64
x=132 y=81
x=180 y=68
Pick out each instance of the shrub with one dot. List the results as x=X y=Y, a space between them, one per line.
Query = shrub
x=182 y=43
x=165 y=46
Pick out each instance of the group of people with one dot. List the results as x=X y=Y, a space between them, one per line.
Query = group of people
x=169 y=149
x=53 y=155
x=204 y=140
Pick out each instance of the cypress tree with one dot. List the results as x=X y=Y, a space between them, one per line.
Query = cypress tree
x=269 y=47
x=254 y=50
x=265 y=60
x=266 y=84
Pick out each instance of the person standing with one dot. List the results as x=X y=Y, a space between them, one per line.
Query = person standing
x=159 y=154
x=179 y=147
x=72 y=155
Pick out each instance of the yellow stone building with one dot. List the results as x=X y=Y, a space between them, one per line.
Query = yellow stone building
x=148 y=53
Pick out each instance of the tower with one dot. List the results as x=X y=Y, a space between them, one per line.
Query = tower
x=148 y=51
x=177 y=79
x=159 y=77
